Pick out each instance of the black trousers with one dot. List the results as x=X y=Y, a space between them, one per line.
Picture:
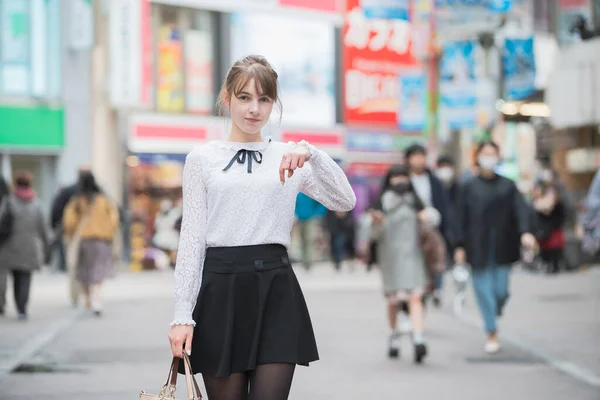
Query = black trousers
x=21 y=286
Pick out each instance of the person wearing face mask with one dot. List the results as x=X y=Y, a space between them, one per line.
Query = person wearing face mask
x=446 y=173
x=491 y=223
x=397 y=217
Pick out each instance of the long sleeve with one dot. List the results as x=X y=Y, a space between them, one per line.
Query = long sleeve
x=192 y=241
x=460 y=220
x=522 y=211
x=327 y=183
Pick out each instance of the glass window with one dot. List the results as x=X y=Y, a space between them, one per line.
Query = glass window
x=15 y=23
x=29 y=35
x=184 y=60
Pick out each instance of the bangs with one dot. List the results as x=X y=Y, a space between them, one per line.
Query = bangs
x=266 y=83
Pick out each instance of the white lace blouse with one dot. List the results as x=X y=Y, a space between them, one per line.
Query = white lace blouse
x=236 y=207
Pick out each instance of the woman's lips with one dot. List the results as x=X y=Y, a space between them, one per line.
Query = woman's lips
x=252 y=120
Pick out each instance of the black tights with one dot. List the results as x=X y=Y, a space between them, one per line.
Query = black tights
x=266 y=382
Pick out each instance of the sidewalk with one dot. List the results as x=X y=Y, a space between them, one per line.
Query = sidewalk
x=126 y=351
x=557 y=316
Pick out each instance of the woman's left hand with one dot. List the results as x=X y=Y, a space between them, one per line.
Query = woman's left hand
x=292 y=160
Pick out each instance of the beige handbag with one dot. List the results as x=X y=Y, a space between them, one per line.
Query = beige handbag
x=168 y=389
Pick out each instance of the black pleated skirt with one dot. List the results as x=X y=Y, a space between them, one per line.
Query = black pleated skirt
x=250 y=311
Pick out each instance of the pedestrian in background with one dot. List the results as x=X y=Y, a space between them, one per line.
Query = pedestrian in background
x=59 y=204
x=434 y=194
x=551 y=215
x=90 y=224
x=341 y=227
x=27 y=246
x=397 y=218
x=308 y=212
x=492 y=222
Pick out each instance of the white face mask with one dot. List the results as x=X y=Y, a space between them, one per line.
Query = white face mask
x=446 y=174
x=489 y=163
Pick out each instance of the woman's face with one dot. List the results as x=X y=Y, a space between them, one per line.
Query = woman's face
x=250 y=109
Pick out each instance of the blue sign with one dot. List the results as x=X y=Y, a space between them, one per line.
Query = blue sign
x=519 y=68
x=412 y=105
x=369 y=141
x=386 y=9
x=457 y=84
x=499 y=6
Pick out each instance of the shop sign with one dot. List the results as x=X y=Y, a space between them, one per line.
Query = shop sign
x=412 y=105
x=519 y=68
x=457 y=84
x=386 y=9
x=375 y=50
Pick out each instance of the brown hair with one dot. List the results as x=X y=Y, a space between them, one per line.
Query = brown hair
x=241 y=73
x=23 y=179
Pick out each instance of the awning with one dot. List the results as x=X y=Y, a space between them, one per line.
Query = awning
x=573 y=92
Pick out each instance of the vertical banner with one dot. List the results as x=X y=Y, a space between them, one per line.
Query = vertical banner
x=375 y=50
x=457 y=84
x=386 y=9
x=81 y=24
x=169 y=88
x=421 y=28
x=412 y=107
x=519 y=68
x=125 y=52
x=147 y=73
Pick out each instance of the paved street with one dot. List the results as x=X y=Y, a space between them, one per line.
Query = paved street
x=126 y=351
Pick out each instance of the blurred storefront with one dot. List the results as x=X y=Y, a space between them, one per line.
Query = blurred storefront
x=575 y=110
x=34 y=129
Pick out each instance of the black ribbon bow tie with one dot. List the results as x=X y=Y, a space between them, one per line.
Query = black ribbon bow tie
x=240 y=157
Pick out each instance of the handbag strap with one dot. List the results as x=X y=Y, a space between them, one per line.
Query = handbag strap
x=193 y=389
x=192 y=384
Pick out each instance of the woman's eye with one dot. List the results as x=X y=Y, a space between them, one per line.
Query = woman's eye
x=243 y=97
x=265 y=99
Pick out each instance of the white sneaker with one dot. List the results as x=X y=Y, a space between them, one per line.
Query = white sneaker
x=404 y=325
x=492 y=347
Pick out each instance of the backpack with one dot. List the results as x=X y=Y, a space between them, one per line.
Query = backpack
x=6 y=220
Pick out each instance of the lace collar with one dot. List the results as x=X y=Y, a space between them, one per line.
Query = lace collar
x=237 y=146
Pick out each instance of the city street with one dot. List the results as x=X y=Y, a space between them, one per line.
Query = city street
x=550 y=330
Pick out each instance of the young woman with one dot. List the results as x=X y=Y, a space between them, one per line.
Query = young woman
x=239 y=310
x=90 y=224
x=492 y=222
x=398 y=217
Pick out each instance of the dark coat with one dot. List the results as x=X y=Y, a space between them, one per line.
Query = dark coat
x=490 y=217
x=60 y=203
x=441 y=202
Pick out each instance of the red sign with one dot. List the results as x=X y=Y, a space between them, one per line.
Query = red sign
x=315 y=138
x=375 y=50
x=170 y=132
x=318 y=5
